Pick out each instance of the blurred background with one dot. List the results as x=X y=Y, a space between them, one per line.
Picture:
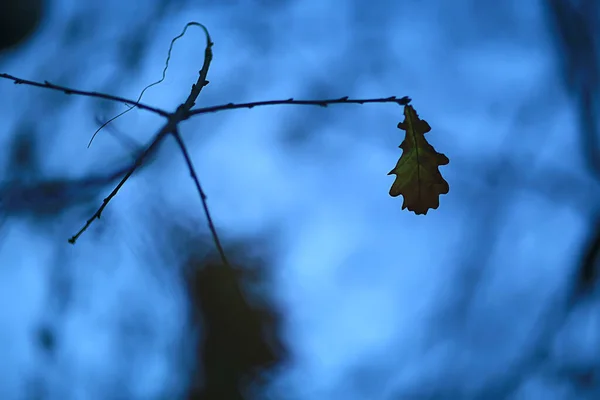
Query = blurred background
x=334 y=291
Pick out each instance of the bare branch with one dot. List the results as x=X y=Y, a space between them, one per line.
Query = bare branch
x=66 y=90
x=194 y=175
x=166 y=129
x=321 y=103
x=184 y=112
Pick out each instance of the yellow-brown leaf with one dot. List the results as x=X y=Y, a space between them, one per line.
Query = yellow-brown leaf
x=418 y=178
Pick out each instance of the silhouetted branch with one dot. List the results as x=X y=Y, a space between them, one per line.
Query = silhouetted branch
x=205 y=110
x=321 y=103
x=66 y=90
x=138 y=162
x=194 y=175
x=183 y=112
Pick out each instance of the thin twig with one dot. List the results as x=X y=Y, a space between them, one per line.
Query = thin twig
x=166 y=129
x=66 y=90
x=203 y=198
x=126 y=140
x=321 y=103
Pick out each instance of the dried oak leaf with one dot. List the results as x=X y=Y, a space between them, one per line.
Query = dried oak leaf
x=418 y=178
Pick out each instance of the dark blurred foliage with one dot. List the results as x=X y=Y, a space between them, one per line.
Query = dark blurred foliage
x=236 y=325
x=576 y=28
x=27 y=193
x=240 y=329
x=577 y=31
x=18 y=21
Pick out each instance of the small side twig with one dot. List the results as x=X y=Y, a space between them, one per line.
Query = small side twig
x=203 y=198
x=137 y=163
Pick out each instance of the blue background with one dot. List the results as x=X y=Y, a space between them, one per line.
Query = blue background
x=467 y=302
